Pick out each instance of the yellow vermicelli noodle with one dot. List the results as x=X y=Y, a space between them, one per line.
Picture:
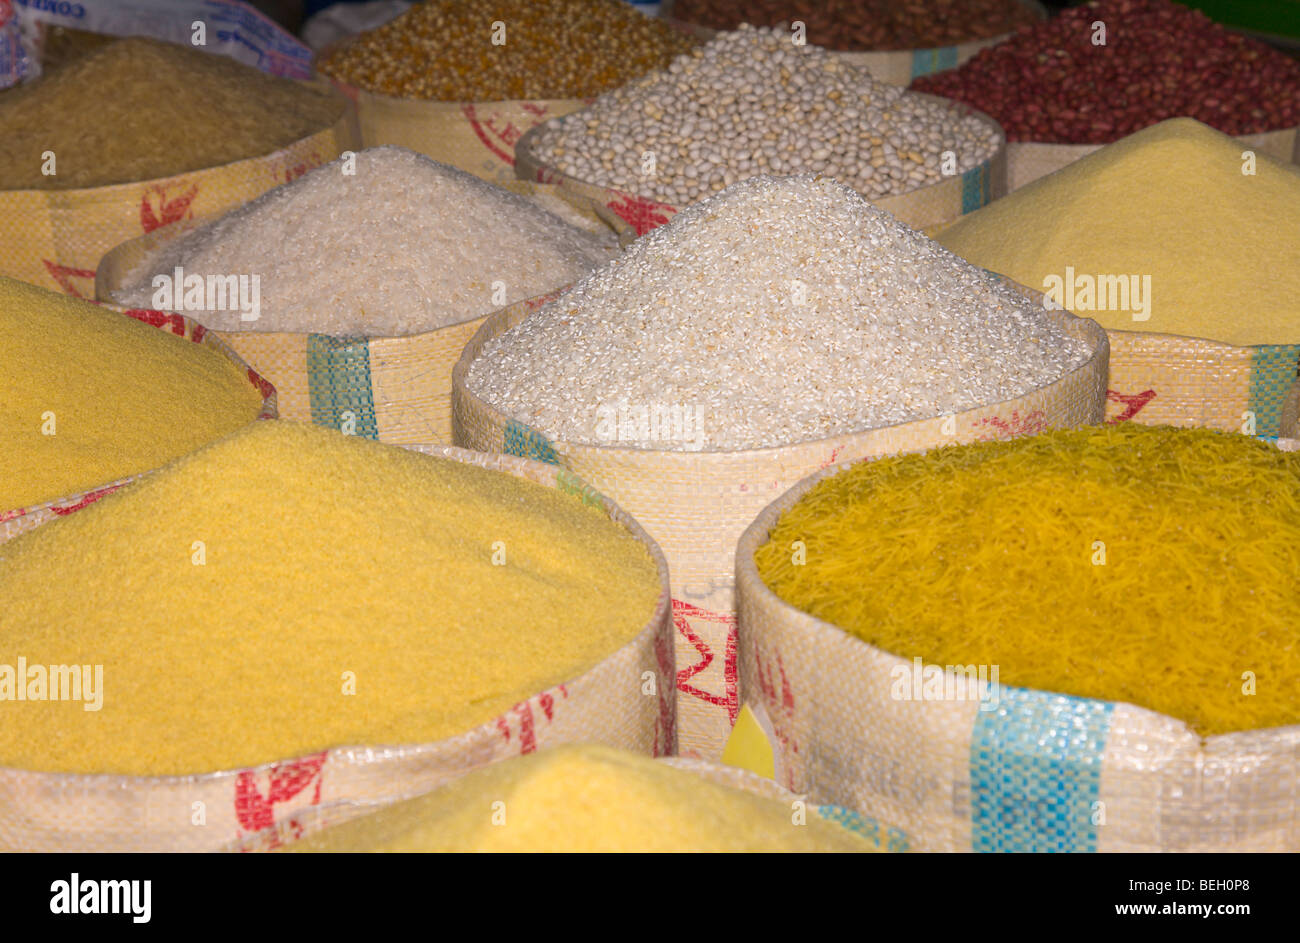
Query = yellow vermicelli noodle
x=586 y=798
x=1141 y=564
x=289 y=589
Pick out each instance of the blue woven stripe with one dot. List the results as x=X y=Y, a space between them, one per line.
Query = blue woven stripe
x=528 y=443
x=338 y=382
x=925 y=61
x=889 y=839
x=1035 y=772
x=975 y=188
x=1273 y=371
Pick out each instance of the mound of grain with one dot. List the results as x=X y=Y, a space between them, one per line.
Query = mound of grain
x=91 y=396
x=445 y=50
x=289 y=589
x=386 y=243
x=139 y=108
x=584 y=798
x=782 y=310
x=751 y=102
x=1142 y=564
x=1171 y=204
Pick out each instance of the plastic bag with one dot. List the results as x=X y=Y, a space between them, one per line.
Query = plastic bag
x=17 y=59
x=231 y=28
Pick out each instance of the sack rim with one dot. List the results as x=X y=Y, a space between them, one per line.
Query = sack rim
x=194 y=333
x=750 y=585
x=515 y=466
x=151 y=242
x=492 y=327
x=342 y=125
x=529 y=167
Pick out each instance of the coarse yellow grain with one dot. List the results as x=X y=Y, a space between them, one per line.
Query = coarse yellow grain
x=586 y=798
x=495 y=50
x=89 y=395
x=1143 y=564
x=1174 y=203
x=233 y=598
x=140 y=109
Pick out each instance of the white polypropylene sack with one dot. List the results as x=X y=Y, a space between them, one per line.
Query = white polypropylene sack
x=231 y=28
x=17 y=49
x=348 y=19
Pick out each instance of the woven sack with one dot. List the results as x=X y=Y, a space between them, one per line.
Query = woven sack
x=394 y=389
x=895 y=66
x=16 y=520
x=313 y=819
x=885 y=838
x=928 y=206
x=1042 y=772
x=606 y=704
x=477 y=137
x=696 y=504
x=1029 y=160
x=55 y=238
x=1167 y=379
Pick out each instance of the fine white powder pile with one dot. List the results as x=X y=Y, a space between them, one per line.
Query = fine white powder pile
x=403 y=245
x=781 y=310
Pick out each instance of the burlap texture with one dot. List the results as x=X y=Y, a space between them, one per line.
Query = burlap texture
x=926 y=207
x=886 y=838
x=17 y=520
x=1168 y=379
x=896 y=66
x=1029 y=160
x=1043 y=772
x=312 y=819
x=696 y=504
x=1188 y=381
x=606 y=704
x=477 y=137
x=394 y=389
x=55 y=238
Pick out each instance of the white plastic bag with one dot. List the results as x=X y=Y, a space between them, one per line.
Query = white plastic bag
x=348 y=19
x=230 y=28
x=17 y=53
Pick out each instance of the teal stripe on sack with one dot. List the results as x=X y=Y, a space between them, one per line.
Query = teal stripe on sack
x=1272 y=372
x=570 y=483
x=339 y=384
x=886 y=839
x=925 y=61
x=975 y=188
x=1035 y=772
x=528 y=443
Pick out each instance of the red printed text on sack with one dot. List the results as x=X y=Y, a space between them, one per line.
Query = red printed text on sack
x=255 y=809
x=683 y=615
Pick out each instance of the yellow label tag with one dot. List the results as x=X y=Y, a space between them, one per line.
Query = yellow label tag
x=748 y=746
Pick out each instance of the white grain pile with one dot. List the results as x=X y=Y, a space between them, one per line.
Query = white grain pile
x=751 y=102
x=403 y=245
x=782 y=310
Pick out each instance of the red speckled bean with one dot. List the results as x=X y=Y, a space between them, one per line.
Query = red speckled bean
x=1161 y=60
